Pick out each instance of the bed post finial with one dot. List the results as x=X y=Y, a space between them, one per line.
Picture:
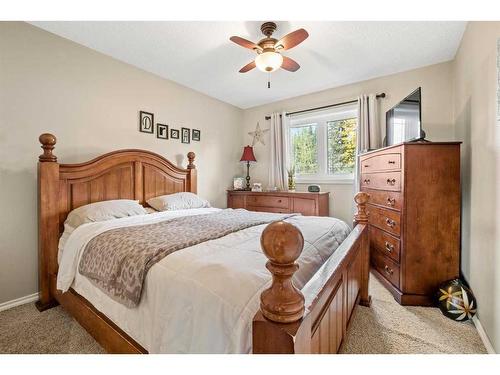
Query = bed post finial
x=191 y=155
x=282 y=244
x=361 y=200
x=48 y=141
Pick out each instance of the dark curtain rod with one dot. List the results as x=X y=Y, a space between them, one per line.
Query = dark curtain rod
x=382 y=95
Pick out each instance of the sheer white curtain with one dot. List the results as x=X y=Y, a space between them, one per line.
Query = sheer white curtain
x=369 y=135
x=278 y=176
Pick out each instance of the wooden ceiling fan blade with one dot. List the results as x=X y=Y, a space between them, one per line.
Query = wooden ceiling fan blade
x=290 y=64
x=244 y=43
x=248 y=67
x=291 y=40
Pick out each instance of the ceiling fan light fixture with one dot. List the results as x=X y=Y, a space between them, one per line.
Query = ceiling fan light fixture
x=269 y=61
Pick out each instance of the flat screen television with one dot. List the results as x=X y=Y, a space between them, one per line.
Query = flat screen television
x=403 y=121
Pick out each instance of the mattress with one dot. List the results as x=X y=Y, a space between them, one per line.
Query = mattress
x=201 y=299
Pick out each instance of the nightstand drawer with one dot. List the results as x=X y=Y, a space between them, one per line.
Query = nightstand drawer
x=268 y=201
x=268 y=209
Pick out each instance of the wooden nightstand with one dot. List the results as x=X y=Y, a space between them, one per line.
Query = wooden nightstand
x=308 y=204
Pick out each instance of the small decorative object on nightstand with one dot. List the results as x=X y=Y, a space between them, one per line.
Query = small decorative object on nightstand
x=313 y=188
x=239 y=183
x=257 y=186
x=291 y=178
x=248 y=157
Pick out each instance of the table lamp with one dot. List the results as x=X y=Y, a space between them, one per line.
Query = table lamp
x=248 y=157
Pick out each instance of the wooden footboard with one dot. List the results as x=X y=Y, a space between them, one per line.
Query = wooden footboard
x=315 y=319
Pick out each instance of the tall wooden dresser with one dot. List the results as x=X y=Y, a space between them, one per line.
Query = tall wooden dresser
x=414 y=217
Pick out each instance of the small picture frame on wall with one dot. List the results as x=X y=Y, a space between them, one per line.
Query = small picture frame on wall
x=185 y=135
x=196 y=134
x=162 y=131
x=174 y=133
x=146 y=122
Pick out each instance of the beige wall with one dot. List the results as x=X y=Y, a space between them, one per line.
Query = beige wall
x=475 y=85
x=436 y=83
x=91 y=103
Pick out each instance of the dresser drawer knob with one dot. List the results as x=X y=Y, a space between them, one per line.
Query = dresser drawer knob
x=391 y=162
x=366 y=181
x=391 y=223
x=367 y=165
x=391 y=181
x=388 y=270
x=389 y=247
x=391 y=201
x=279 y=200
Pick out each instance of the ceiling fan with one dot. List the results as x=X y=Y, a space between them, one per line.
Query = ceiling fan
x=269 y=57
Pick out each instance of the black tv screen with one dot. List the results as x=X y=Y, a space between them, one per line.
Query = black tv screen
x=403 y=120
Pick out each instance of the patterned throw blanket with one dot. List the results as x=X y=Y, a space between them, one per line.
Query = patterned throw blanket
x=118 y=260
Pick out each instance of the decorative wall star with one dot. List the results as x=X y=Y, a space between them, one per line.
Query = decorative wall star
x=258 y=135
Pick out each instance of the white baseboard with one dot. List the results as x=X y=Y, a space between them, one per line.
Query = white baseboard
x=483 y=335
x=19 y=301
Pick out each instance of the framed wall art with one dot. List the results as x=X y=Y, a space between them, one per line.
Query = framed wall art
x=196 y=134
x=174 y=133
x=162 y=131
x=146 y=122
x=185 y=135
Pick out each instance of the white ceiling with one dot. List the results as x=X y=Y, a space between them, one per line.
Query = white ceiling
x=199 y=55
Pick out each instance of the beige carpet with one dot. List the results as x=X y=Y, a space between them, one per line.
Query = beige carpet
x=25 y=330
x=389 y=328
x=386 y=327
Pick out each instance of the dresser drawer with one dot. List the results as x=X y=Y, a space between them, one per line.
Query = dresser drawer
x=268 y=201
x=387 y=220
x=380 y=163
x=386 y=267
x=304 y=206
x=382 y=181
x=389 y=199
x=385 y=243
x=275 y=210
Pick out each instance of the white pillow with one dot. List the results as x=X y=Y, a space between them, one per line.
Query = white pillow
x=99 y=211
x=177 y=201
x=102 y=211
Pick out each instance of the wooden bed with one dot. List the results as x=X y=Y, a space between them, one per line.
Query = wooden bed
x=286 y=322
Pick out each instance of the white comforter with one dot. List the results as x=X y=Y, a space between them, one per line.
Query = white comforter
x=201 y=299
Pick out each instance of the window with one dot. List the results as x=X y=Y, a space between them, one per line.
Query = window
x=322 y=145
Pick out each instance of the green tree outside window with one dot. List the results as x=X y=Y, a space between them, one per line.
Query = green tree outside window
x=340 y=147
x=304 y=141
x=341 y=150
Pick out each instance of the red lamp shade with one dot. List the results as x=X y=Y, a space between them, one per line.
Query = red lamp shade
x=248 y=154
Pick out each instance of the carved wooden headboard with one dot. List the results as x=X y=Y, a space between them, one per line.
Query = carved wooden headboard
x=122 y=174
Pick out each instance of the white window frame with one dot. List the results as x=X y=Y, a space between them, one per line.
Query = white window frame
x=321 y=118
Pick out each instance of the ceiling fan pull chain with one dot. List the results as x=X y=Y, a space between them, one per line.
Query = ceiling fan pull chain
x=268 y=80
